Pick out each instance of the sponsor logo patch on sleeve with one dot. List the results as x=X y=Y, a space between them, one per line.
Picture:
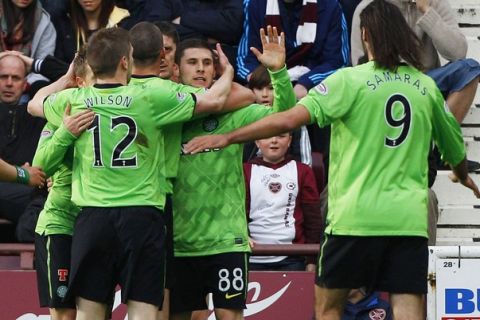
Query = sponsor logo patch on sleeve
x=322 y=89
x=46 y=133
x=181 y=96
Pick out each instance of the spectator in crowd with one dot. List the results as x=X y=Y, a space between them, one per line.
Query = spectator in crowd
x=283 y=204
x=261 y=85
x=55 y=8
x=376 y=234
x=316 y=38
x=435 y=24
x=27 y=28
x=170 y=41
x=19 y=133
x=84 y=18
x=348 y=8
x=214 y=20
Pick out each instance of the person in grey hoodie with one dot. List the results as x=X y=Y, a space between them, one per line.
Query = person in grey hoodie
x=26 y=27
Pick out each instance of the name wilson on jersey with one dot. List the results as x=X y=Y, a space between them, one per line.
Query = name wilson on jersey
x=112 y=99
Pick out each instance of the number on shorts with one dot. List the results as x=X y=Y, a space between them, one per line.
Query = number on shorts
x=237 y=282
x=404 y=122
x=116 y=159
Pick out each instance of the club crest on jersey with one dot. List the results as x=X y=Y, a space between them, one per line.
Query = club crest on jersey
x=377 y=314
x=210 y=124
x=274 y=187
x=322 y=89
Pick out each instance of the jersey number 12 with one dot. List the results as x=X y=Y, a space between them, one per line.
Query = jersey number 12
x=117 y=161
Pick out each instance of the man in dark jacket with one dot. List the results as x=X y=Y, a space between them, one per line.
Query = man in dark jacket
x=19 y=133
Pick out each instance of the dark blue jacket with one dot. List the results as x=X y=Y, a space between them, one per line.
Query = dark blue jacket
x=329 y=52
x=218 y=19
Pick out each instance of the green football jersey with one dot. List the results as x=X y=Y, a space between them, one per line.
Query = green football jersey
x=173 y=132
x=382 y=126
x=59 y=213
x=209 y=192
x=119 y=160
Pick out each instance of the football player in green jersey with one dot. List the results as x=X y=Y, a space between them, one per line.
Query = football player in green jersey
x=148 y=59
x=384 y=114
x=117 y=171
x=25 y=174
x=210 y=230
x=54 y=229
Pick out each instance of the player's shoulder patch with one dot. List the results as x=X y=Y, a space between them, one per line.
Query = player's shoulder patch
x=46 y=133
x=181 y=96
x=52 y=97
x=322 y=88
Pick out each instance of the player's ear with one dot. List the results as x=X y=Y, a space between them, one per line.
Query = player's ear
x=80 y=82
x=124 y=62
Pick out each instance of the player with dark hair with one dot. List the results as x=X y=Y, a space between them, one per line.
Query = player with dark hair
x=210 y=233
x=384 y=114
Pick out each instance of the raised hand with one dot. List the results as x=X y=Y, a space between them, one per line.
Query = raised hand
x=79 y=122
x=273 y=47
x=223 y=64
x=208 y=142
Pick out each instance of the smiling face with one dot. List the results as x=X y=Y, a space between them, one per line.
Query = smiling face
x=90 y=5
x=12 y=79
x=197 y=68
x=275 y=148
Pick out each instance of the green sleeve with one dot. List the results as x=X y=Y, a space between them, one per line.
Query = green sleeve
x=330 y=100
x=186 y=88
x=52 y=147
x=250 y=114
x=54 y=106
x=171 y=107
x=446 y=132
x=283 y=94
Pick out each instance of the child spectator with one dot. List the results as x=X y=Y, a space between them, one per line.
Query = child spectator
x=283 y=204
x=27 y=28
x=83 y=19
x=261 y=85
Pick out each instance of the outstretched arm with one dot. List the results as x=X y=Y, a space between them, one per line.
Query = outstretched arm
x=267 y=127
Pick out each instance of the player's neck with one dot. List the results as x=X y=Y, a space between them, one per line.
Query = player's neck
x=146 y=71
x=116 y=79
